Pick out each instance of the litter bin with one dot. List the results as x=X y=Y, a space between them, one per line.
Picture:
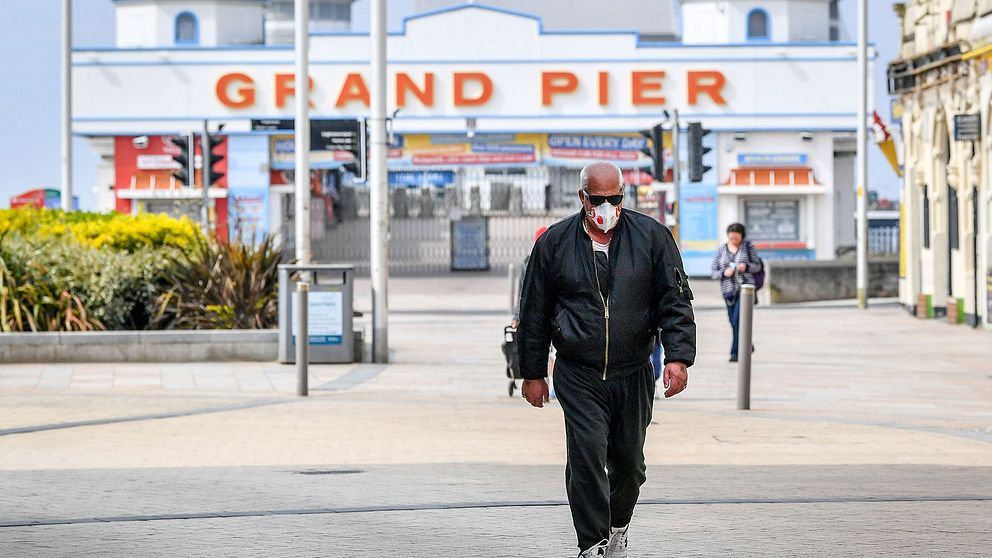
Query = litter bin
x=330 y=313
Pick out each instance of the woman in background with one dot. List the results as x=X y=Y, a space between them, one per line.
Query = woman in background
x=735 y=264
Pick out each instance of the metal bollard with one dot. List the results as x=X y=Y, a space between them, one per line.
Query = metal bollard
x=744 y=348
x=302 y=338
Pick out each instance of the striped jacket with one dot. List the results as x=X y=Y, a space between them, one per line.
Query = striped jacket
x=724 y=258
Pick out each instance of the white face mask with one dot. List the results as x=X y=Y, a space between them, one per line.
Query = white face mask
x=605 y=216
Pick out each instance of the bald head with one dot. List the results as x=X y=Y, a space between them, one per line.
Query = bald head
x=601 y=179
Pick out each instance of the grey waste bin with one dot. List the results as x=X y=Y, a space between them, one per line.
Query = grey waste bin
x=330 y=316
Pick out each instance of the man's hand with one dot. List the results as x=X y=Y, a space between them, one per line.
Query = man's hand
x=729 y=272
x=514 y=323
x=741 y=267
x=535 y=392
x=676 y=377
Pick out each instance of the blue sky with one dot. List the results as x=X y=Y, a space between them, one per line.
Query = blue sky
x=29 y=91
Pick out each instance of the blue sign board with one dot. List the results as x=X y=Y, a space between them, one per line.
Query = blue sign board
x=502 y=148
x=698 y=212
x=421 y=178
x=772 y=160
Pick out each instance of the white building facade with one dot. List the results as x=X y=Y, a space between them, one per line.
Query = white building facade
x=944 y=84
x=488 y=98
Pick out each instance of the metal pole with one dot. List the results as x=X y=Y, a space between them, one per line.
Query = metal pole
x=66 y=131
x=205 y=175
x=744 y=338
x=191 y=161
x=302 y=338
x=511 y=272
x=676 y=175
x=302 y=142
x=378 y=183
x=862 y=187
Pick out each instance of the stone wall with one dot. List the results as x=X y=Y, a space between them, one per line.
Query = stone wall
x=804 y=281
x=140 y=346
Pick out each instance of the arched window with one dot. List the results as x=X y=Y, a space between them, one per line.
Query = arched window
x=757 y=25
x=187 y=29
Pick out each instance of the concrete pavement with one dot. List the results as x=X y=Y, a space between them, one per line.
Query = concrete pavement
x=871 y=435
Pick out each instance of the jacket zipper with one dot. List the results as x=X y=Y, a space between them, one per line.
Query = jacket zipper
x=678 y=275
x=606 y=314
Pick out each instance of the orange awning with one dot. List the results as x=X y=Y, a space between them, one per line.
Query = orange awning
x=771 y=176
x=153 y=180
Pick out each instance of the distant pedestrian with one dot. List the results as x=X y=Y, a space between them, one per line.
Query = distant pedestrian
x=516 y=309
x=599 y=285
x=735 y=264
x=520 y=284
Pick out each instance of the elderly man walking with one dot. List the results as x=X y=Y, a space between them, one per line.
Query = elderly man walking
x=599 y=285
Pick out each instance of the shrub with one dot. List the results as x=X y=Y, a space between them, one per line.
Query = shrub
x=30 y=303
x=219 y=285
x=81 y=271
x=116 y=288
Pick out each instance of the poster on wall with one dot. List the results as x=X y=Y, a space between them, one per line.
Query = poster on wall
x=698 y=235
x=699 y=216
x=470 y=244
x=248 y=214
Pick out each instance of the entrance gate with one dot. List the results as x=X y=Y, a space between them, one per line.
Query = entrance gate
x=515 y=201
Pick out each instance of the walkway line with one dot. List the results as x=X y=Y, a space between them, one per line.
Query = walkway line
x=137 y=418
x=451 y=506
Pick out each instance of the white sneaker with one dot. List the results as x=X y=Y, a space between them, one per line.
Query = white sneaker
x=618 y=542
x=596 y=551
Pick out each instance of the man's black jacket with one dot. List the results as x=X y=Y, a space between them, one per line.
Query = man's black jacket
x=562 y=304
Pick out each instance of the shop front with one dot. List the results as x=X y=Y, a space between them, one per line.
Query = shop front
x=144 y=182
x=492 y=128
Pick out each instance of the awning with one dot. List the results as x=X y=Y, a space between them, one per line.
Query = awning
x=160 y=184
x=771 y=176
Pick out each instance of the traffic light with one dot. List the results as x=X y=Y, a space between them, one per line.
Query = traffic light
x=655 y=149
x=211 y=156
x=359 y=151
x=695 y=134
x=187 y=149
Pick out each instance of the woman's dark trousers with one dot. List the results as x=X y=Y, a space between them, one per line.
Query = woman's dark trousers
x=734 y=314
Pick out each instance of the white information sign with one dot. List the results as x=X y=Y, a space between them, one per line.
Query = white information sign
x=325 y=320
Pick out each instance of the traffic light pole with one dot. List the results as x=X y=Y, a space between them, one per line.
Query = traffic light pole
x=205 y=177
x=676 y=175
x=191 y=160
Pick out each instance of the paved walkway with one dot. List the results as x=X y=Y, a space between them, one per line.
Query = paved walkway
x=871 y=435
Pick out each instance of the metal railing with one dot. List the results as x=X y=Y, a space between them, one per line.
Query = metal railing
x=883 y=240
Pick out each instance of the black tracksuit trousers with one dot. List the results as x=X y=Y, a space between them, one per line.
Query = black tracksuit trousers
x=605 y=425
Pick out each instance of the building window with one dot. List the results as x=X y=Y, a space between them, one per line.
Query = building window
x=187 y=29
x=757 y=25
x=926 y=216
x=772 y=220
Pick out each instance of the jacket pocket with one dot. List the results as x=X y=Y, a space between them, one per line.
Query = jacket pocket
x=681 y=284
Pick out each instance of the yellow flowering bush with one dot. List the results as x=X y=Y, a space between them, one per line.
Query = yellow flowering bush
x=97 y=230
